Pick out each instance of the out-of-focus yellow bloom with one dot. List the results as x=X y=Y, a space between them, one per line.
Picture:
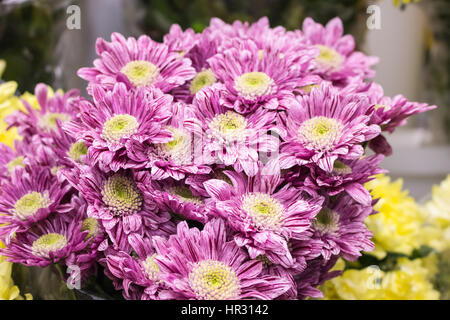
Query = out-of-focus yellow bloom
x=411 y=280
x=2 y=67
x=10 y=103
x=437 y=214
x=399 y=2
x=438 y=208
x=353 y=284
x=8 y=291
x=397 y=225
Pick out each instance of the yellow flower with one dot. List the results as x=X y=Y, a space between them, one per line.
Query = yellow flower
x=411 y=280
x=2 y=67
x=353 y=284
x=8 y=291
x=399 y=2
x=397 y=225
x=438 y=208
x=9 y=103
x=437 y=214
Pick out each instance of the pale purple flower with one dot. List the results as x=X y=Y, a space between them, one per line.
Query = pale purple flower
x=176 y=157
x=175 y=197
x=30 y=195
x=390 y=113
x=51 y=241
x=336 y=59
x=138 y=276
x=341 y=229
x=257 y=78
x=230 y=138
x=53 y=109
x=316 y=273
x=190 y=258
x=347 y=176
x=83 y=263
x=138 y=62
x=115 y=200
x=265 y=213
x=324 y=126
x=181 y=41
x=116 y=119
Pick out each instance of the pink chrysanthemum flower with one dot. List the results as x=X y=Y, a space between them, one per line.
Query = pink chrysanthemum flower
x=36 y=152
x=315 y=274
x=175 y=197
x=181 y=41
x=118 y=118
x=138 y=275
x=115 y=200
x=11 y=159
x=223 y=33
x=177 y=156
x=51 y=241
x=83 y=264
x=203 y=265
x=390 y=113
x=138 y=62
x=324 y=126
x=53 y=109
x=347 y=176
x=302 y=251
x=341 y=229
x=337 y=59
x=265 y=213
x=228 y=137
x=29 y=195
x=257 y=78
x=67 y=151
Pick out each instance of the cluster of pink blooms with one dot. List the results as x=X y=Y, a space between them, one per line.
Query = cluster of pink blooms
x=227 y=164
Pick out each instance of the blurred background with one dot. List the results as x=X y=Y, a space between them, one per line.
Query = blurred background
x=413 y=43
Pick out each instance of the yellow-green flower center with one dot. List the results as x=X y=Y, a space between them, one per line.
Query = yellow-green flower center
x=16 y=162
x=341 y=168
x=77 y=150
x=29 y=204
x=150 y=267
x=91 y=225
x=203 y=79
x=382 y=106
x=178 y=149
x=48 y=243
x=184 y=194
x=229 y=126
x=320 y=133
x=263 y=258
x=214 y=280
x=252 y=85
x=48 y=121
x=140 y=72
x=54 y=170
x=307 y=89
x=328 y=59
x=118 y=127
x=121 y=195
x=265 y=211
x=326 y=221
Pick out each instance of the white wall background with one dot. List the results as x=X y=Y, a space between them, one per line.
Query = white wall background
x=400 y=45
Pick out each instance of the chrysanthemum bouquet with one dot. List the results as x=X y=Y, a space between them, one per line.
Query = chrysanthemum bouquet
x=227 y=164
